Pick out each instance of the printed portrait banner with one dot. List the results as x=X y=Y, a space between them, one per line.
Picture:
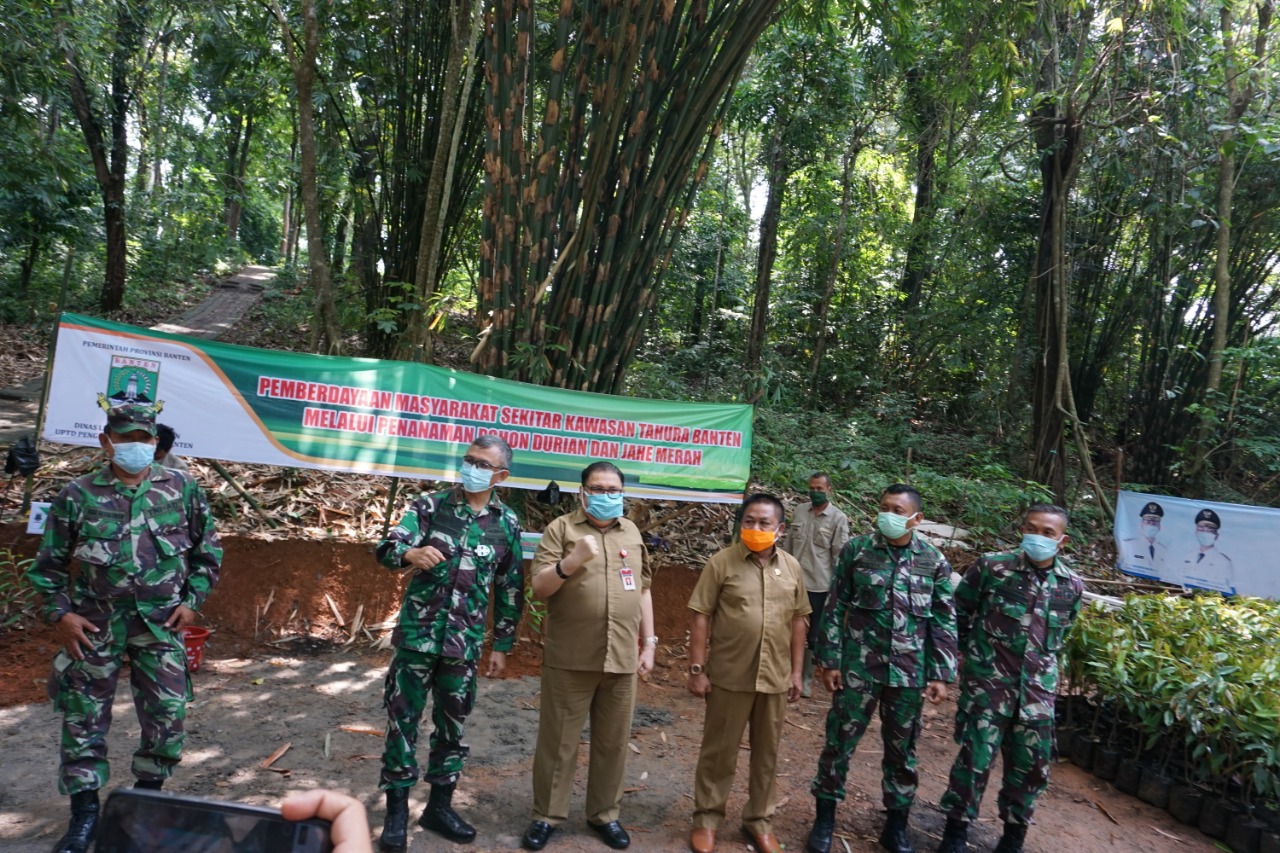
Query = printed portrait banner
x=396 y=418
x=1174 y=540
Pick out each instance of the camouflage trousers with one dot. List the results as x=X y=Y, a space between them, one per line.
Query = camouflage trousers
x=899 y=728
x=1026 y=750
x=84 y=690
x=451 y=684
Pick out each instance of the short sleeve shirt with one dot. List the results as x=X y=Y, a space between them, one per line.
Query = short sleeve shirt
x=593 y=619
x=751 y=610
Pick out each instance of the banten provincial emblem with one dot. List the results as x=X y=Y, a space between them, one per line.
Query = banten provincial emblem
x=132 y=381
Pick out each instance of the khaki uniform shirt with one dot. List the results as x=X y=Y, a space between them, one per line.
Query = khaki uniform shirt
x=815 y=539
x=751 y=610
x=593 y=621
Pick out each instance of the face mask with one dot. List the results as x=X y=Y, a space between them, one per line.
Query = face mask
x=1039 y=548
x=475 y=479
x=892 y=525
x=1150 y=531
x=759 y=540
x=818 y=498
x=605 y=507
x=1205 y=538
x=133 y=456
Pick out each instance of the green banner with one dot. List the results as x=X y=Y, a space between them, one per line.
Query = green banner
x=387 y=417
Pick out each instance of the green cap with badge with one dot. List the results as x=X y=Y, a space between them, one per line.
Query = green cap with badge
x=130 y=417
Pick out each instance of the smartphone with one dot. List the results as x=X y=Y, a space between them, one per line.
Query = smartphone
x=139 y=821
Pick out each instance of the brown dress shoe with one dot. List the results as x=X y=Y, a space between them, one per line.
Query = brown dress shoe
x=702 y=840
x=767 y=843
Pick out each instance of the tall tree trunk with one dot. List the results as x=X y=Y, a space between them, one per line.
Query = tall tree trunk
x=286 y=217
x=1240 y=91
x=778 y=174
x=460 y=74
x=111 y=171
x=833 y=273
x=28 y=265
x=326 y=336
x=157 y=126
x=926 y=116
x=1057 y=131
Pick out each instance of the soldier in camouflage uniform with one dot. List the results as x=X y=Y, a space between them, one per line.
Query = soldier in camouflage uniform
x=460 y=542
x=1014 y=610
x=148 y=555
x=887 y=638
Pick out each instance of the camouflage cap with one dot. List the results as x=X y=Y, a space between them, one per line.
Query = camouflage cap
x=130 y=417
x=1208 y=516
x=1153 y=508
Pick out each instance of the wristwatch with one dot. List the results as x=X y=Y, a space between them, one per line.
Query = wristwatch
x=650 y=641
x=695 y=669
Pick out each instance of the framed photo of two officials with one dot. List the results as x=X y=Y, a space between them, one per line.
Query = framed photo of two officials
x=1230 y=548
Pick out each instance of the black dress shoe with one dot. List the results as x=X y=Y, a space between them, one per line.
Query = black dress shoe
x=612 y=833
x=535 y=837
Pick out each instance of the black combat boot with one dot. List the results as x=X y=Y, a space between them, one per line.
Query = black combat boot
x=955 y=838
x=1011 y=841
x=894 y=838
x=440 y=817
x=83 y=826
x=149 y=784
x=395 y=827
x=824 y=824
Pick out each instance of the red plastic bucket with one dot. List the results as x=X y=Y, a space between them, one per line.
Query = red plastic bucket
x=193 y=639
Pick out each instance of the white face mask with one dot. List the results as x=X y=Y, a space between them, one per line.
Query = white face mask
x=1150 y=531
x=1206 y=538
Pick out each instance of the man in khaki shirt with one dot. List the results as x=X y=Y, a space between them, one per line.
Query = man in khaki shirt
x=815 y=536
x=751 y=600
x=592 y=570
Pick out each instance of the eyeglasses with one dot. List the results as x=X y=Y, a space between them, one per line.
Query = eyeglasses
x=482 y=465
x=600 y=490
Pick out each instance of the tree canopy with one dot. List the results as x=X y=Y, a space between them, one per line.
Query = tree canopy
x=1052 y=228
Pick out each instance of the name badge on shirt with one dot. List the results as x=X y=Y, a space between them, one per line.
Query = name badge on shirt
x=628 y=578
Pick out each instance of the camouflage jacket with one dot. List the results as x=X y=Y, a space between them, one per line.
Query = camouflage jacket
x=445 y=606
x=153 y=544
x=889 y=618
x=1013 y=618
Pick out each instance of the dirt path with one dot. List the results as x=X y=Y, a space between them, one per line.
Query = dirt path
x=252 y=699
x=210 y=319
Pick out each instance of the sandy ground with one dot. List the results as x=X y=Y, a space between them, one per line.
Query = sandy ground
x=246 y=708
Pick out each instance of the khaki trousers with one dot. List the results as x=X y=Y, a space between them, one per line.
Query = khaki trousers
x=728 y=714
x=568 y=698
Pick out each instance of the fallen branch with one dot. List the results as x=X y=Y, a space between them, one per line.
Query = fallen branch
x=275 y=756
x=1103 y=809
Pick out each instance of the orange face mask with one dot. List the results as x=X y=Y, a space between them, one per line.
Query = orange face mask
x=759 y=540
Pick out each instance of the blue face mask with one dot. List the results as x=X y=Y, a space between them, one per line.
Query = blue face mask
x=475 y=479
x=1039 y=548
x=605 y=507
x=891 y=525
x=133 y=456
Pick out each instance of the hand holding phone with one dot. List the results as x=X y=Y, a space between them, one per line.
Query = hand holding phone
x=140 y=821
x=349 y=824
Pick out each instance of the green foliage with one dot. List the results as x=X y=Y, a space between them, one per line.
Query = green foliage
x=19 y=600
x=1197 y=676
